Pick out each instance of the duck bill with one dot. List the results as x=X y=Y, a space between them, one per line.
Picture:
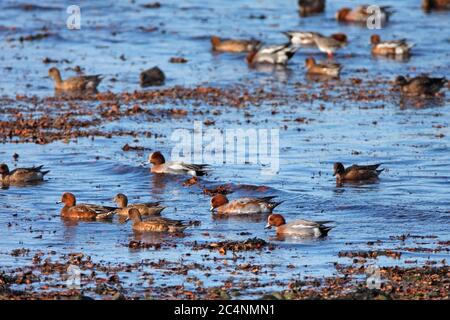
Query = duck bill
x=211 y=209
x=334 y=174
x=268 y=226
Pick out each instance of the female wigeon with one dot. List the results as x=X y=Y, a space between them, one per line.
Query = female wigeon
x=161 y=166
x=328 y=69
x=275 y=54
x=157 y=224
x=421 y=85
x=77 y=83
x=330 y=44
x=428 y=5
x=310 y=7
x=233 y=45
x=356 y=172
x=73 y=210
x=390 y=48
x=361 y=13
x=244 y=206
x=145 y=209
x=21 y=175
x=298 y=228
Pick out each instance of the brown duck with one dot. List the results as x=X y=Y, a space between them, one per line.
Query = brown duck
x=145 y=209
x=156 y=224
x=420 y=85
x=73 y=210
x=428 y=5
x=233 y=45
x=21 y=175
x=329 y=69
x=77 y=83
x=356 y=172
x=310 y=7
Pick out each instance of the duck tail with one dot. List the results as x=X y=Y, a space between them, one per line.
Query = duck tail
x=45 y=172
x=379 y=171
x=325 y=230
x=273 y=205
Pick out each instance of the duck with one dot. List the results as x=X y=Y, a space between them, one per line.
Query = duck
x=173 y=167
x=244 y=206
x=302 y=38
x=298 y=228
x=21 y=175
x=356 y=172
x=77 y=83
x=390 y=48
x=421 y=85
x=145 y=209
x=362 y=13
x=329 y=69
x=274 y=54
x=234 y=45
x=330 y=44
x=310 y=7
x=156 y=224
x=72 y=210
x=429 y=5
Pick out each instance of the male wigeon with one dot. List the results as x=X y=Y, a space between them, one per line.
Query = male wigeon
x=157 y=224
x=244 y=206
x=361 y=13
x=298 y=228
x=77 y=83
x=145 y=209
x=274 y=54
x=421 y=85
x=429 y=5
x=356 y=172
x=330 y=44
x=234 y=45
x=73 y=210
x=390 y=48
x=329 y=69
x=21 y=175
x=161 y=166
x=310 y=7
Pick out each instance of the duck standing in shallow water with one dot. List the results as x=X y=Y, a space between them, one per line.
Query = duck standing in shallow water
x=420 y=86
x=234 y=46
x=298 y=228
x=328 y=69
x=390 y=48
x=172 y=167
x=77 y=83
x=330 y=44
x=21 y=175
x=356 y=172
x=145 y=209
x=244 y=206
x=157 y=224
x=275 y=54
x=72 y=210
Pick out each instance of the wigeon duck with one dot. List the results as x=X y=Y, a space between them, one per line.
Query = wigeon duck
x=77 y=83
x=330 y=44
x=161 y=166
x=428 y=5
x=275 y=54
x=361 y=13
x=298 y=228
x=156 y=224
x=309 y=7
x=329 y=69
x=356 y=172
x=21 y=175
x=231 y=45
x=145 y=209
x=390 y=48
x=244 y=206
x=73 y=210
x=420 y=85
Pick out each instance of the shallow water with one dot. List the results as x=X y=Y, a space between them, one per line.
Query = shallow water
x=413 y=143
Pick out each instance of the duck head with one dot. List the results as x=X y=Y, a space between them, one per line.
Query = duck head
x=121 y=200
x=342 y=14
x=156 y=158
x=310 y=62
x=54 y=73
x=251 y=56
x=275 y=220
x=68 y=199
x=134 y=215
x=4 y=170
x=375 y=39
x=401 y=81
x=218 y=201
x=339 y=169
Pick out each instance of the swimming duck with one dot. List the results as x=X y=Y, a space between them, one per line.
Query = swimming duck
x=21 y=175
x=309 y=7
x=361 y=13
x=77 y=83
x=161 y=166
x=84 y=211
x=242 y=205
x=231 y=45
x=356 y=172
x=145 y=209
x=330 y=44
x=428 y=5
x=275 y=54
x=156 y=224
x=390 y=48
x=420 y=85
x=298 y=228
x=329 y=69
